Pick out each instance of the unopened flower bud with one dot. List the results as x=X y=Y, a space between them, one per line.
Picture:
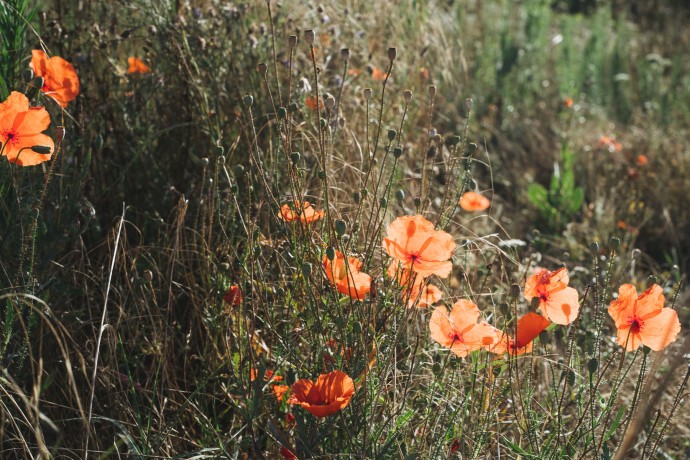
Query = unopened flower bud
x=407 y=95
x=345 y=53
x=367 y=93
x=391 y=134
x=282 y=113
x=148 y=276
x=397 y=152
x=295 y=157
x=262 y=68
x=248 y=100
x=340 y=227
x=400 y=195
x=42 y=149
x=330 y=253
x=306 y=269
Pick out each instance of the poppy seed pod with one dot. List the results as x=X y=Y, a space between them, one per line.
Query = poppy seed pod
x=407 y=95
x=330 y=102
x=330 y=253
x=282 y=113
x=306 y=269
x=391 y=54
x=391 y=134
x=432 y=90
x=309 y=37
x=367 y=93
x=400 y=195
x=469 y=103
x=28 y=75
x=295 y=157
x=292 y=41
x=262 y=68
x=345 y=53
x=248 y=100
x=340 y=227
x=397 y=152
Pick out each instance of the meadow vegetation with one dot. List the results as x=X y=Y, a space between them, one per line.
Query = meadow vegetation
x=355 y=229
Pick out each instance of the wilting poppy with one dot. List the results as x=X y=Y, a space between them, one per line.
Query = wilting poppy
x=233 y=296
x=330 y=393
x=304 y=212
x=473 y=201
x=558 y=302
x=643 y=319
x=60 y=80
x=459 y=329
x=136 y=65
x=21 y=129
x=347 y=278
x=413 y=241
x=527 y=329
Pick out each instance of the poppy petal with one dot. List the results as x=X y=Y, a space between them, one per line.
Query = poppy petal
x=529 y=327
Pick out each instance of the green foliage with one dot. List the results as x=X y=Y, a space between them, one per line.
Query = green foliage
x=15 y=19
x=562 y=201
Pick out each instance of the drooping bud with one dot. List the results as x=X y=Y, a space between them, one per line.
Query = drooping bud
x=42 y=149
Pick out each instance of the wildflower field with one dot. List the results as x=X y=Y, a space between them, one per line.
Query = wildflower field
x=361 y=229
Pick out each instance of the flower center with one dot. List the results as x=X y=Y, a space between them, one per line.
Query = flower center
x=455 y=337
x=12 y=137
x=543 y=297
x=635 y=325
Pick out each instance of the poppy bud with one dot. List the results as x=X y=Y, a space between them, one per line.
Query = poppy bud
x=295 y=157
x=417 y=201
x=292 y=41
x=615 y=243
x=636 y=253
x=472 y=147
x=309 y=37
x=592 y=365
x=432 y=90
x=383 y=202
x=323 y=123
x=42 y=149
x=391 y=54
x=651 y=280
x=322 y=175
x=535 y=303
x=238 y=170
x=330 y=102
x=340 y=227
x=306 y=269
x=293 y=107
x=367 y=93
x=397 y=152
x=234 y=189
x=515 y=291
x=262 y=68
x=469 y=103
x=282 y=113
x=391 y=134
x=646 y=350
x=400 y=195
x=330 y=253
x=248 y=100
x=148 y=276
x=407 y=95
x=204 y=162
x=345 y=53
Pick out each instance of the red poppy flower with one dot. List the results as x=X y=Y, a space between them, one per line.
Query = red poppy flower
x=60 y=80
x=136 y=65
x=280 y=391
x=569 y=102
x=413 y=241
x=528 y=328
x=643 y=319
x=304 y=212
x=558 y=302
x=421 y=294
x=233 y=296
x=287 y=453
x=21 y=129
x=459 y=329
x=346 y=277
x=473 y=201
x=330 y=393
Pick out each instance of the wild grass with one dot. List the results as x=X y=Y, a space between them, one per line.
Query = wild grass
x=115 y=257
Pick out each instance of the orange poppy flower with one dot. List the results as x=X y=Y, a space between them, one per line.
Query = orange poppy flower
x=233 y=296
x=413 y=241
x=378 y=74
x=473 y=201
x=558 y=302
x=304 y=212
x=330 y=393
x=569 y=102
x=354 y=72
x=60 y=80
x=21 y=129
x=610 y=143
x=459 y=329
x=642 y=160
x=310 y=103
x=528 y=328
x=136 y=65
x=347 y=278
x=279 y=391
x=643 y=319
x=269 y=376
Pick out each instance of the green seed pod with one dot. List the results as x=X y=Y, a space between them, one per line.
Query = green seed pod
x=400 y=195
x=340 y=227
x=397 y=152
x=295 y=157
x=238 y=170
x=330 y=253
x=282 y=113
x=615 y=243
x=323 y=123
x=306 y=269
x=293 y=107
x=383 y=202
x=592 y=365
x=42 y=149
x=391 y=134
x=248 y=100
